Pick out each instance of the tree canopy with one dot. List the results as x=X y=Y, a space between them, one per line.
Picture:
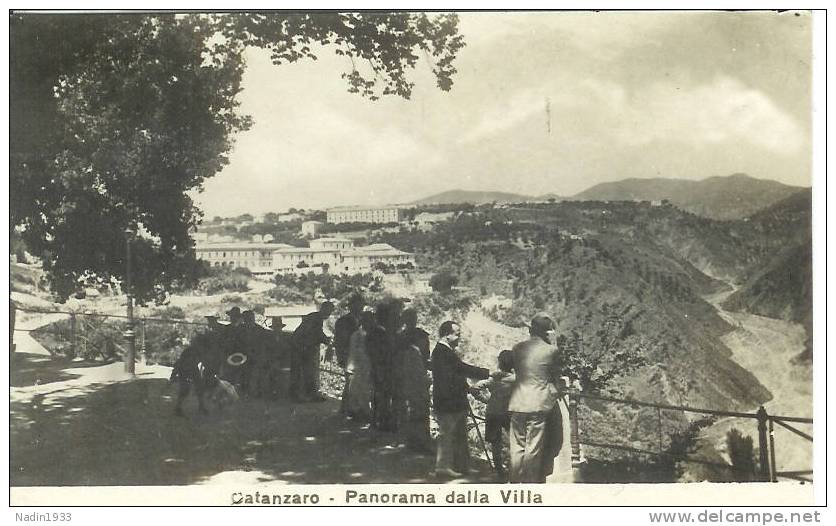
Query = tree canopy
x=114 y=118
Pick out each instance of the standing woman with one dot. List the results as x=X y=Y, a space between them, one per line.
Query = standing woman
x=359 y=372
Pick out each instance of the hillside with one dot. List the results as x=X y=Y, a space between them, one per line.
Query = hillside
x=472 y=197
x=780 y=284
x=731 y=197
x=630 y=310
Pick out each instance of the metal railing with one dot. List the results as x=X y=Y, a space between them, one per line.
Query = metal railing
x=81 y=327
x=767 y=470
x=89 y=335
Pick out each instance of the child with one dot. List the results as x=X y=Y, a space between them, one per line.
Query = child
x=497 y=419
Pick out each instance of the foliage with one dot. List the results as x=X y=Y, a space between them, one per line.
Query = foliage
x=435 y=308
x=225 y=279
x=443 y=282
x=102 y=338
x=304 y=288
x=742 y=455
x=115 y=118
x=17 y=246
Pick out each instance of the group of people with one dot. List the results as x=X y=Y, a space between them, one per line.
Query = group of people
x=390 y=373
x=393 y=379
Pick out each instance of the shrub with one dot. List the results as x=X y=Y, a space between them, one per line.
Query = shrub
x=443 y=282
x=742 y=455
x=303 y=288
x=223 y=279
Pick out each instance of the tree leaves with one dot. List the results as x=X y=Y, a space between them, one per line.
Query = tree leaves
x=114 y=118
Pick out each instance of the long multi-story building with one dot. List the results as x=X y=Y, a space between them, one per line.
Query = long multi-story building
x=358 y=214
x=338 y=254
x=258 y=257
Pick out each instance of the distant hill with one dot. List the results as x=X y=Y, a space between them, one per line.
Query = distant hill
x=732 y=197
x=472 y=197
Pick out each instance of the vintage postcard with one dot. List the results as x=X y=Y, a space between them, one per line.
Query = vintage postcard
x=326 y=258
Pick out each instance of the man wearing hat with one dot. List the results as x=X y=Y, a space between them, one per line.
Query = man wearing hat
x=533 y=404
x=305 y=367
x=234 y=315
x=345 y=326
x=282 y=348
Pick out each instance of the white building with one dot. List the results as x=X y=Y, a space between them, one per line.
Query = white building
x=425 y=221
x=364 y=259
x=338 y=254
x=333 y=243
x=258 y=257
x=357 y=214
x=288 y=217
x=293 y=258
x=311 y=228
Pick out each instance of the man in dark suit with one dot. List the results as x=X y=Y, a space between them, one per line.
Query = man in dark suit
x=381 y=347
x=450 y=403
x=413 y=389
x=532 y=404
x=305 y=361
x=343 y=329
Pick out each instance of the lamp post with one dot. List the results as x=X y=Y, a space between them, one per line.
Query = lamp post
x=129 y=334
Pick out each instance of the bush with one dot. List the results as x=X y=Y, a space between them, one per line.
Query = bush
x=302 y=289
x=443 y=282
x=742 y=455
x=224 y=279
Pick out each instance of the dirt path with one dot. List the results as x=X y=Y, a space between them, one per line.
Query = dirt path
x=94 y=425
x=766 y=348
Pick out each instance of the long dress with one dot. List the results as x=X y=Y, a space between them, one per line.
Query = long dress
x=358 y=367
x=562 y=472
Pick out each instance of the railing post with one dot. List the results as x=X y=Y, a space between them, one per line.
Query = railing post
x=73 y=335
x=83 y=338
x=772 y=467
x=763 y=446
x=12 y=316
x=573 y=422
x=659 y=417
x=574 y=438
x=142 y=346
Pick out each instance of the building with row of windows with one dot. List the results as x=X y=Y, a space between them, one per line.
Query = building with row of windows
x=339 y=255
x=358 y=214
x=258 y=257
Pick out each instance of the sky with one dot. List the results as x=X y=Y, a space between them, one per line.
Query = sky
x=542 y=103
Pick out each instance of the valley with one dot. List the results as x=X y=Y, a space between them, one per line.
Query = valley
x=767 y=347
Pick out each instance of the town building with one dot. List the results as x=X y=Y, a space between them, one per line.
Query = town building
x=257 y=257
x=337 y=255
x=311 y=228
x=364 y=259
x=426 y=221
x=333 y=243
x=357 y=214
x=289 y=217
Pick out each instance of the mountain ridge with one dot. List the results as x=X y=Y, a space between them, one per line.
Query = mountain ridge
x=728 y=197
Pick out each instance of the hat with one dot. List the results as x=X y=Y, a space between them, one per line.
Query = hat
x=277 y=322
x=236 y=311
x=356 y=298
x=236 y=359
x=541 y=323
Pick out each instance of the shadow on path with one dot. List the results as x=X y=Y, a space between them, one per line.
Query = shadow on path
x=124 y=433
